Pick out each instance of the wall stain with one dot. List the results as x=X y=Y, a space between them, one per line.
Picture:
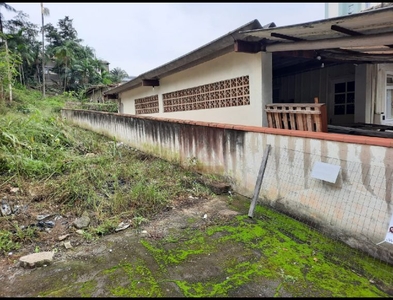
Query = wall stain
x=291 y=150
x=324 y=151
x=365 y=157
x=215 y=141
x=277 y=146
x=388 y=161
x=306 y=161
x=233 y=140
x=343 y=154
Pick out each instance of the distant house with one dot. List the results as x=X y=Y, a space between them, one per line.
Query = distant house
x=105 y=64
x=345 y=62
x=95 y=93
x=51 y=78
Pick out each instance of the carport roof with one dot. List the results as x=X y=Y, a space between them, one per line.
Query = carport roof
x=363 y=37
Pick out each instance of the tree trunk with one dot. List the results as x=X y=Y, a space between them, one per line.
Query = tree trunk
x=2 y=93
x=38 y=72
x=43 y=50
x=20 y=73
x=23 y=77
x=8 y=69
x=65 y=76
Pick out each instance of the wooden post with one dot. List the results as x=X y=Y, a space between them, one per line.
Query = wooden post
x=259 y=181
x=316 y=100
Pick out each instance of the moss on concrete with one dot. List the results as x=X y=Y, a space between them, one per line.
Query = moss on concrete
x=268 y=255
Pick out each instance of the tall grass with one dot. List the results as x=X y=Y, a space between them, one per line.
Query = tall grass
x=78 y=170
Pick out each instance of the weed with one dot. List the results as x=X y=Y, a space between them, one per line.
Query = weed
x=7 y=243
x=138 y=220
x=88 y=236
x=106 y=227
x=79 y=170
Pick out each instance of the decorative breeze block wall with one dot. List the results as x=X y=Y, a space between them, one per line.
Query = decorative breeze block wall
x=225 y=93
x=146 y=105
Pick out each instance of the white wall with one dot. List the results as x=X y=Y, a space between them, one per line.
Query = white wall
x=231 y=65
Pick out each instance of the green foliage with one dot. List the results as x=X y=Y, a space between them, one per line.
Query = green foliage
x=75 y=63
x=106 y=227
x=7 y=243
x=79 y=170
x=117 y=75
x=8 y=68
x=12 y=240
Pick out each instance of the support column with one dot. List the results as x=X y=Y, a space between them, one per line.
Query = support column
x=267 y=83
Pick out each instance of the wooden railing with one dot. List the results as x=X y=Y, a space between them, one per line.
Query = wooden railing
x=297 y=116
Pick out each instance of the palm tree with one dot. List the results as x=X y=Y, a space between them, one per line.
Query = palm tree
x=118 y=74
x=21 y=41
x=65 y=56
x=44 y=12
x=18 y=45
x=84 y=69
x=9 y=8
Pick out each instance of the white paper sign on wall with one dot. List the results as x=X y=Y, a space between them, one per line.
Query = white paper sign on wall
x=326 y=172
x=389 y=234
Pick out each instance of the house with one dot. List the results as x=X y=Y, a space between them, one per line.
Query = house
x=95 y=93
x=208 y=110
x=346 y=62
x=51 y=78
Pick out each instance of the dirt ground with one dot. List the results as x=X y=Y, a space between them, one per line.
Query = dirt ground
x=147 y=261
x=113 y=249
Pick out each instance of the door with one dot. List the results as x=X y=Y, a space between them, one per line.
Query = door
x=388 y=117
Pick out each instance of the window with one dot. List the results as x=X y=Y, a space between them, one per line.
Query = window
x=344 y=98
x=389 y=96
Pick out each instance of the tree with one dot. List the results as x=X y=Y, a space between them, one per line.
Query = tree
x=9 y=8
x=117 y=75
x=8 y=69
x=44 y=12
x=67 y=30
x=21 y=40
x=65 y=56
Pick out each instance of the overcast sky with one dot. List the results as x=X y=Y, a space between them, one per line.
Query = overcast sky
x=138 y=37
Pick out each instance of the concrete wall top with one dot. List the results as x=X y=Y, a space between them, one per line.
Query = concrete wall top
x=336 y=137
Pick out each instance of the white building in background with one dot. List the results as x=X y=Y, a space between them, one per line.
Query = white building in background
x=333 y=10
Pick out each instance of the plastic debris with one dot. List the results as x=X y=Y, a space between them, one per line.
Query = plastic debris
x=122 y=226
x=5 y=208
x=42 y=217
x=47 y=224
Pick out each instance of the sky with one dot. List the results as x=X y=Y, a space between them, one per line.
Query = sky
x=139 y=37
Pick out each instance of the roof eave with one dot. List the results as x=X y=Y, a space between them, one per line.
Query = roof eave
x=197 y=56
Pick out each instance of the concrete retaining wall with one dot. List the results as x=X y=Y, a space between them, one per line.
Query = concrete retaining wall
x=355 y=209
